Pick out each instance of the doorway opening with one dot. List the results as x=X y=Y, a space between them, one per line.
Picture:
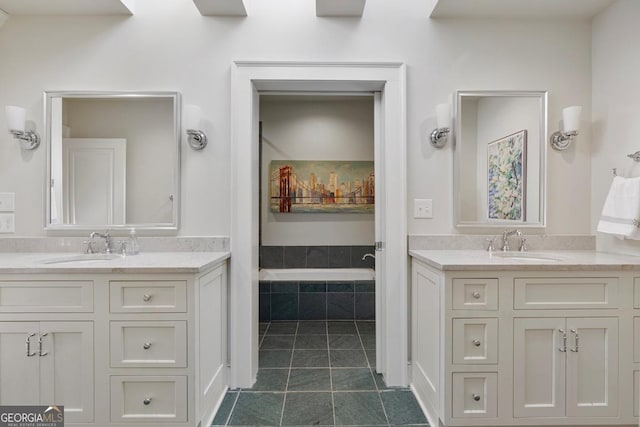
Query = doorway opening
x=387 y=80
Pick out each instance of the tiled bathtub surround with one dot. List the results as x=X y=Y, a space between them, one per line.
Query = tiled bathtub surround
x=317 y=300
x=479 y=242
x=147 y=244
x=315 y=257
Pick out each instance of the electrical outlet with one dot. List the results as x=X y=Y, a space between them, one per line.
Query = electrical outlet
x=423 y=208
x=7 y=202
x=7 y=223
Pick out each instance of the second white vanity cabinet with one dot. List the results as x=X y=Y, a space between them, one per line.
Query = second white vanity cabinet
x=126 y=346
x=512 y=344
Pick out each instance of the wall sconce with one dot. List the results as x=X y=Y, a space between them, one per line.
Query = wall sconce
x=192 y=122
x=571 y=123
x=16 y=120
x=440 y=135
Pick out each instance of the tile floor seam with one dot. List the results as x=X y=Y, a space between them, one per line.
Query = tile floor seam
x=333 y=402
x=286 y=387
x=228 y=419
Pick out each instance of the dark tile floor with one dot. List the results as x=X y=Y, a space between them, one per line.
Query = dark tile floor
x=322 y=374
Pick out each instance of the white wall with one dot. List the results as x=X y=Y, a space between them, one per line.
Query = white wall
x=321 y=128
x=616 y=107
x=167 y=45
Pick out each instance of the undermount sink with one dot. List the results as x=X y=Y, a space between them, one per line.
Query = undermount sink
x=525 y=256
x=79 y=258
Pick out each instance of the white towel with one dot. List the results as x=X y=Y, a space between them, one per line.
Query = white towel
x=621 y=211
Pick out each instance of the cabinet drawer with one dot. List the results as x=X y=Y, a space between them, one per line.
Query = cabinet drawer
x=475 y=341
x=636 y=292
x=565 y=292
x=475 y=294
x=148 y=296
x=145 y=344
x=636 y=339
x=149 y=398
x=46 y=296
x=475 y=395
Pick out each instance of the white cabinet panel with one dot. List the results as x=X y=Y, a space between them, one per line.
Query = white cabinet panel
x=538 y=367
x=19 y=373
x=149 y=343
x=148 y=399
x=475 y=294
x=148 y=296
x=475 y=340
x=565 y=292
x=592 y=367
x=34 y=296
x=475 y=395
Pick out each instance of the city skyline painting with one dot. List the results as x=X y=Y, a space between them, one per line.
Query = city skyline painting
x=321 y=186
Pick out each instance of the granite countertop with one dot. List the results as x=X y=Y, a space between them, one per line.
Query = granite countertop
x=147 y=262
x=543 y=260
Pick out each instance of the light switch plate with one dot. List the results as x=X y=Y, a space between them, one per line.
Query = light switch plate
x=7 y=223
x=423 y=208
x=7 y=202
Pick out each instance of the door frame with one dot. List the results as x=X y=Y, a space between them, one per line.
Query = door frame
x=247 y=79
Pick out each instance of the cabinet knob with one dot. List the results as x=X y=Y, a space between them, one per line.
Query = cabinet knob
x=476 y=294
x=476 y=397
x=146 y=297
x=476 y=343
x=147 y=401
x=146 y=345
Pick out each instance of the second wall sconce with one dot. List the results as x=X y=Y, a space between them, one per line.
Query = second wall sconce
x=440 y=135
x=193 y=124
x=571 y=124
x=16 y=122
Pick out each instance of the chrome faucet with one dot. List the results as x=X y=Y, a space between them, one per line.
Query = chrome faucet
x=107 y=241
x=365 y=256
x=505 y=238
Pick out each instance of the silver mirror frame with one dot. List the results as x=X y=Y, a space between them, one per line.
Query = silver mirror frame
x=146 y=228
x=543 y=129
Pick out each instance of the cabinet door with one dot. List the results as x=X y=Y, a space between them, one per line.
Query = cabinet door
x=538 y=367
x=67 y=368
x=19 y=373
x=592 y=367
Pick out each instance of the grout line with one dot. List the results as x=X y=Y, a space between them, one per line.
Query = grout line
x=286 y=387
x=233 y=407
x=333 y=403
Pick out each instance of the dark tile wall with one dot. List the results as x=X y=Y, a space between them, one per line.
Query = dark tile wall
x=317 y=300
x=315 y=257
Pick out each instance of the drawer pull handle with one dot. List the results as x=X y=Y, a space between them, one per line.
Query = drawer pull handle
x=476 y=294
x=477 y=343
x=563 y=349
x=146 y=297
x=40 y=352
x=147 y=401
x=146 y=345
x=28 y=342
x=576 y=347
x=476 y=397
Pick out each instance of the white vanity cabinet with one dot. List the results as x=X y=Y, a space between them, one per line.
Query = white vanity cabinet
x=526 y=346
x=116 y=348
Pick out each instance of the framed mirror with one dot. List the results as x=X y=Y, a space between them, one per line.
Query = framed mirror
x=500 y=159
x=113 y=160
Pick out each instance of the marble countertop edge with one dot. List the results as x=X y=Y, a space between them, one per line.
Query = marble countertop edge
x=149 y=262
x=553 y=260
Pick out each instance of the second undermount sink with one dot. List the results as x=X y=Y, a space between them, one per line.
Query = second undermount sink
x=79 y=258
x=526 y=256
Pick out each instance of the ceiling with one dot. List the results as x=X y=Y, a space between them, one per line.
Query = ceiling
x=67 y=7
x=519 y=9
